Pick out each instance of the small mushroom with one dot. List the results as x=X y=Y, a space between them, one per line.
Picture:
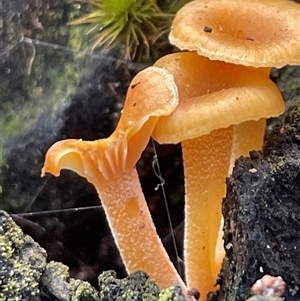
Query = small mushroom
x=109 y=164
x=220 y=116
x=258 y=33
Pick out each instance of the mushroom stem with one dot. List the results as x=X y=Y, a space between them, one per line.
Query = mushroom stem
x=207 y=162
x=248 y=136
x=134 y=231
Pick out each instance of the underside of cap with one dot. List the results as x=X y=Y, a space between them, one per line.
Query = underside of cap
x=258 y=33
x=213 y=95
x=152 y=93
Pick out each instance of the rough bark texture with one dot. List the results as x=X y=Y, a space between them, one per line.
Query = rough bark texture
x=262 y=216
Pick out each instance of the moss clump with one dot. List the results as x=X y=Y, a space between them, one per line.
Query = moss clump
x=57 y=284
x=22 y=262
x=135 y=287
x=134 y=24
x=172 y=293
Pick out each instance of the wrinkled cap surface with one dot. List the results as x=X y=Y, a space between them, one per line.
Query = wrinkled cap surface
x=257 y=33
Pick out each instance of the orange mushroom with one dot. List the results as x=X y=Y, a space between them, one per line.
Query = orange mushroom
x=221 y=108
x=255 y=33
x=109 y=164
x=258 y=33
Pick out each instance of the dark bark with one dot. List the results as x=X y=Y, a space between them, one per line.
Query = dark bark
x=262 y=216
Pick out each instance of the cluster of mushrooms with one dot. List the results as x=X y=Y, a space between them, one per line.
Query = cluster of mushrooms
x=214 y=98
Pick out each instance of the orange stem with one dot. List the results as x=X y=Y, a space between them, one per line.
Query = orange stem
x=133 y=229
x=206 y=163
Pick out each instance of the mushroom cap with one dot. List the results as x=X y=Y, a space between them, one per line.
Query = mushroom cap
x=214 y=95
x=259 y=33
x=152 y=93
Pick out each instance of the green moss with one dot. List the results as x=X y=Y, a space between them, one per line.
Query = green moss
x=134 y=24
x=85 y=292
x=135 y=287
x=59 y=283
x=173 y=293
x=54 y=76
x=21 y=262
x=139 y=27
